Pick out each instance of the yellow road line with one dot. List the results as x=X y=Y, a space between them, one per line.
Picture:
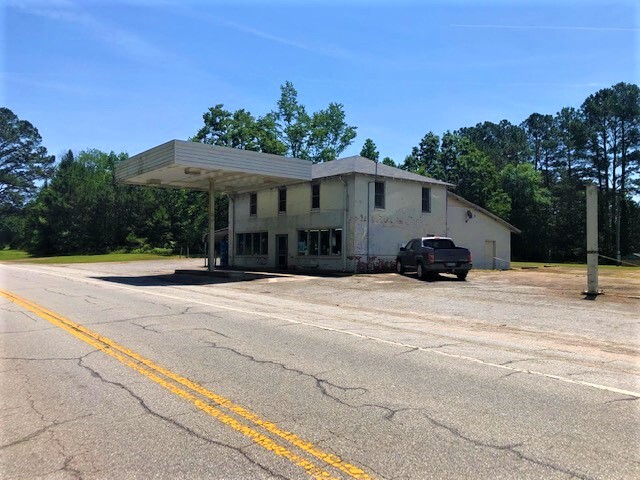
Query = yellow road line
x=151 y=371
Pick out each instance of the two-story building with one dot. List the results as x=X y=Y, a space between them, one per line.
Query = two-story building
x=351 y=214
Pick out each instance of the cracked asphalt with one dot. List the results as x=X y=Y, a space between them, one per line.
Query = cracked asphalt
x=490 y=378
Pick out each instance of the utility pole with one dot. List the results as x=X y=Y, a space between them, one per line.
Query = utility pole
x=592 y=240
x=618 y=257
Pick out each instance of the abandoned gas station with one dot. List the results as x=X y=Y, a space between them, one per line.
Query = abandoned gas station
x=349 y=215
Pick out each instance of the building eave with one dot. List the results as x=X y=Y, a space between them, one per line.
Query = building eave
x=478 y=208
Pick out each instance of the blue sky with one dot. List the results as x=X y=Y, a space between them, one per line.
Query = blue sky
x=128 y=75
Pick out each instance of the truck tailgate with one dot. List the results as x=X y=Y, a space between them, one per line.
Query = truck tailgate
x=451 y=255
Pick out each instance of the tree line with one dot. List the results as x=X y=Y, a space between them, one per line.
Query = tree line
x=532 y=175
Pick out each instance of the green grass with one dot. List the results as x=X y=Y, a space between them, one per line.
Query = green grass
x=13 y=255
x=24 y=257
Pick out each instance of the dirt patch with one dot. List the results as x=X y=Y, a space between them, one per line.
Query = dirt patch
x=618 y=284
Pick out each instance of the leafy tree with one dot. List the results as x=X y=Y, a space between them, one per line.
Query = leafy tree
x=292 y=122
x=424 y=158
x=23 y=161
x=503 y=142
x=215 y=131
x=476 y=178
x=320 y=137
x=77 y=211
x=289 y=130
x=530 y=204
x=239 y=129
x=389 y=161
x=330 y=135
x=369 y=150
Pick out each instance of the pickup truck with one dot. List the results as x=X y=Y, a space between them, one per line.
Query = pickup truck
x=429 y=256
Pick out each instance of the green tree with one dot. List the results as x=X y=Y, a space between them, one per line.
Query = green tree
x=329 y=134
x=292 y=122
x=612 y=118
x=424 y=159
x=319 y=137
x=543 y=142
x=503 y=142
x=369 y=150
x=389 y=161
x=289 y=130
x=476 y=178
x=239 y=129
x=23 y=161
x=530 y=205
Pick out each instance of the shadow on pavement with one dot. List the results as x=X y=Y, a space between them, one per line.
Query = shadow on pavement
x=181 y=279
x=202 y=277
x=434 y=279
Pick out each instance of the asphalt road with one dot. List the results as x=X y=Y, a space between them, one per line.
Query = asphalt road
x=124 y=371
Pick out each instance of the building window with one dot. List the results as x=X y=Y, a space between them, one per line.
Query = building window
x=426 y=200
x=379 y=195
x=252 y=243
x=315 y=195
x=253 y=204
x=282 y=200
x=322 y=242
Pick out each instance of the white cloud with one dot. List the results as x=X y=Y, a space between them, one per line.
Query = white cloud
x=121 y=40
x=549 y=27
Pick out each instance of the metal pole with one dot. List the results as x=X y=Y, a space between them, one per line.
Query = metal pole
x=368 y=219
x=212 y=226
x=618 y=257
x=592 y=240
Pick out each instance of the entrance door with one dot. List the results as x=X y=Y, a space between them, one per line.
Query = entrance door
x=282 y=250
x=490 y=253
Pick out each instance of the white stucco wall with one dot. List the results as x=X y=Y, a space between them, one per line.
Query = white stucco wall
x=299 y=216
x=481 y=234
x=400 y=220
x=392 y=226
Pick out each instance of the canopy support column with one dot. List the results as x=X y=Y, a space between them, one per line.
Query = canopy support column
x=212 y=226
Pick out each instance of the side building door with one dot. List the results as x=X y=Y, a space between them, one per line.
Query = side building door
x=282 y=251
x=490 y=253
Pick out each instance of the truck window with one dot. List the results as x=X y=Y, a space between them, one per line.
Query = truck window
x=438 y=243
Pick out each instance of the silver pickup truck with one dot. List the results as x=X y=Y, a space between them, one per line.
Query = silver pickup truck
x=429 y=256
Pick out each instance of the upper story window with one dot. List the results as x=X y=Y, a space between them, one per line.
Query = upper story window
x=426 y=200
x=315 y=195
x=253 y=204
x=379 y=195
x=282 y=200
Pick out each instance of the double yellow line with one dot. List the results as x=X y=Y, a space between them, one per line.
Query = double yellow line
x=195 y=393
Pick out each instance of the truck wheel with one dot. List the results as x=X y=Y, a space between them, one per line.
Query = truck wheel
x=462 y=276
x=399 y=267
x=420 y=270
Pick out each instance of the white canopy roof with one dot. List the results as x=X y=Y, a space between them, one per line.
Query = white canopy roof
x=191 y=165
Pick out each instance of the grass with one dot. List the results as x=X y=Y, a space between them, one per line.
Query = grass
x=24 y=257
x=13 y=255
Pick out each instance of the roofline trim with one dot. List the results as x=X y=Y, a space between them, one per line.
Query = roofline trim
x=353 y=172
x=484 y=211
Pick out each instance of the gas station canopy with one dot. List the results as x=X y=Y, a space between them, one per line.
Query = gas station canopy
x=196 y=166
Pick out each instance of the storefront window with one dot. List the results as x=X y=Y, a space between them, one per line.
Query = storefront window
x=323 y=242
